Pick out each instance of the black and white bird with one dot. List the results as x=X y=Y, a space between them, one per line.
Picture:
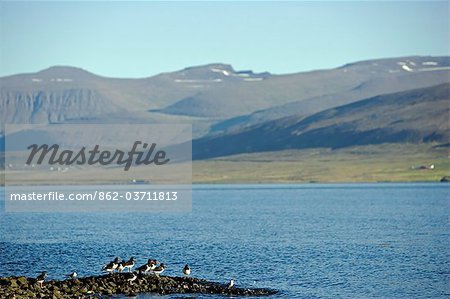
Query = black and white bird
x=129 y=264
x=72 y=275
x=41 y=278
x=230 y=284
x=153 y=264
x=132 y=278
x=144 y=268
x=111 y=266
x=160 y=269
x=186 y=270
x=150 y=265
x=121 y=266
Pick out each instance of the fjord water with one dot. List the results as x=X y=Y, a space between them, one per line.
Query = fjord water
x=308 y=241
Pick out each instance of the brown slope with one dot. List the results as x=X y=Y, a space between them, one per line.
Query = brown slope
x=419 y=115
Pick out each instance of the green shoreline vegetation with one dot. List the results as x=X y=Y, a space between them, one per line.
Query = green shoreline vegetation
x=399 y=162
x=359 y=164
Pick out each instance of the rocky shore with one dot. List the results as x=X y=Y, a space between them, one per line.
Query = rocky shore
x=118 y=283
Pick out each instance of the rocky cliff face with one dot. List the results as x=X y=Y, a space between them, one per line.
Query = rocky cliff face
x=52 y=106
x=215 y=98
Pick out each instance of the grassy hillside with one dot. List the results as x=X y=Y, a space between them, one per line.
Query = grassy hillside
x=414 y=116
x=372 y=163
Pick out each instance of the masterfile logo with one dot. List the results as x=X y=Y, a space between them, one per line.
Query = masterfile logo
x=53 y=155
x=95 y=167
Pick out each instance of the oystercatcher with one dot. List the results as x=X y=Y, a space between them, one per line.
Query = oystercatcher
x=121 y=266
x=72 y=275
x=150 y=265
x=41 y=278
x=186 y=270
x=129 y=264
x=153 y=264
x=230 y=284
x=144 y=268
x=111 y=266
x=160 y=269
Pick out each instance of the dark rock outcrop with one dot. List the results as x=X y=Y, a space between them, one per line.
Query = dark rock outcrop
x=108 y=285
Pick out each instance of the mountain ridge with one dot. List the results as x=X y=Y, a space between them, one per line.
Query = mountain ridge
x=419 y=115
x=214 y=97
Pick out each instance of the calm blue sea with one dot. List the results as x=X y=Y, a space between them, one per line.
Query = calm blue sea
x=308 y=241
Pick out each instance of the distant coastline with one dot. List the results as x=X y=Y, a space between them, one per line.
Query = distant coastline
x=385 y=163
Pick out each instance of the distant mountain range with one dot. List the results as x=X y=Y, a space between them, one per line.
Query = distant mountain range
x=358 y=103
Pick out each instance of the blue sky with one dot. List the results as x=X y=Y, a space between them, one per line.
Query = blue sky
x=139 y=39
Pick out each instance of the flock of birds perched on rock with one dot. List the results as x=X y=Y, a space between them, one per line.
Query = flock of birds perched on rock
x=150 y=267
